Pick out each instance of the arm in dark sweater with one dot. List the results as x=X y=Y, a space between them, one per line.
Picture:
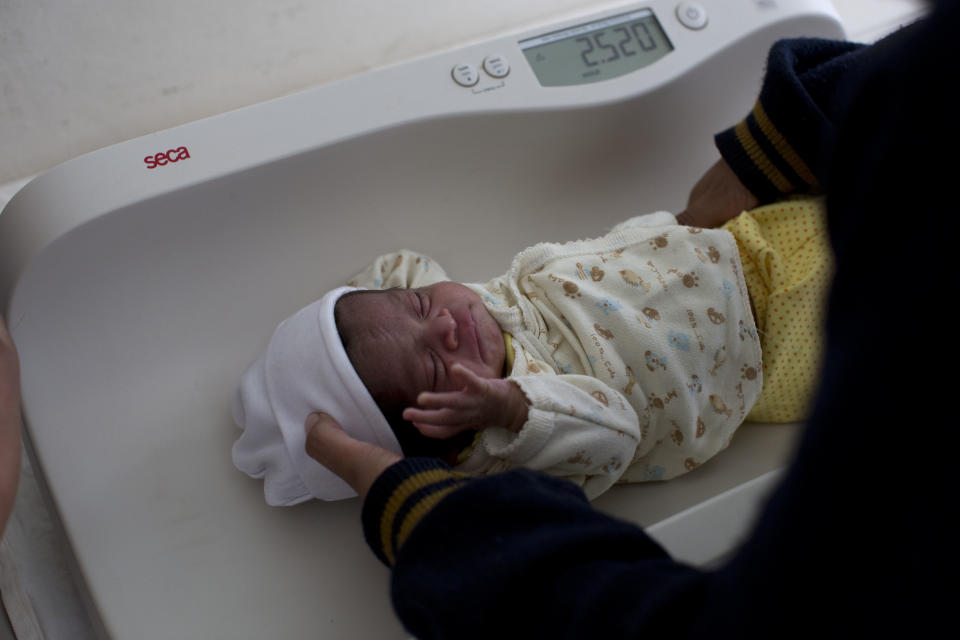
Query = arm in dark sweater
x=516 y=554
x=779 y=147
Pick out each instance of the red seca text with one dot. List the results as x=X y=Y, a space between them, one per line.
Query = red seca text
x=162 y=158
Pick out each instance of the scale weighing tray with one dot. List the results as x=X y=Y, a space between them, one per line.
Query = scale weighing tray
x=141 y=279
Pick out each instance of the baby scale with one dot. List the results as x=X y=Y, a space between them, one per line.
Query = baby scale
x=141 y=279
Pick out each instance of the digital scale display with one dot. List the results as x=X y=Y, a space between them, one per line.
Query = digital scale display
x=598 y=50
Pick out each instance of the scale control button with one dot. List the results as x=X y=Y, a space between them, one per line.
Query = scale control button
x=466 y=75
x=497 y=66
x=692 y=15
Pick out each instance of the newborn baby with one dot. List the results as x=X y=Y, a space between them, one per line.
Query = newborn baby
x=432 y=357
x=629 y=357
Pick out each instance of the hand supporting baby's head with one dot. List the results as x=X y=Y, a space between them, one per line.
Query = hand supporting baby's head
x=398 y=348
x=404 y=342
x=304 y=369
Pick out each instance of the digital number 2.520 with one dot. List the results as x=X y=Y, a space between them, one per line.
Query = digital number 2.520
x=623 y=44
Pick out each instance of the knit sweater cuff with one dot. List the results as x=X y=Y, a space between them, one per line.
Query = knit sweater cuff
x=763 y=159
x=400 y=498
x=778 y=148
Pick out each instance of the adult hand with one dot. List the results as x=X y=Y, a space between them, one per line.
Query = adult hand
x=717 y=197
x=480 y=403
x=358 y=463
x=9 y=424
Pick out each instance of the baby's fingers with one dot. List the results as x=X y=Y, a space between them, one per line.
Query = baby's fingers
x=445 y=399
x=442 y=417
x=438 y=432
x=468 y=379
x=439 y=423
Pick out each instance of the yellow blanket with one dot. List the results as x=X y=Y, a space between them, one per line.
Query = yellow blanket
x=788 y=266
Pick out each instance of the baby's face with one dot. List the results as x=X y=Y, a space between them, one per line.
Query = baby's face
x=404 y=341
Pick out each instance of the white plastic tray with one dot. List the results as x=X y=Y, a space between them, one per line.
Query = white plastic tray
x=137 y=296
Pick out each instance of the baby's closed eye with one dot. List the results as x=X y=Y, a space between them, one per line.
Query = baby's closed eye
x=424 y=302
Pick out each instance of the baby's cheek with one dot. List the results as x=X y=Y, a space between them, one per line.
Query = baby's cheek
x=484 y=370
x=493 y=338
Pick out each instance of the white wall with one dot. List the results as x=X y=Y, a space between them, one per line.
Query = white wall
x=79 y=75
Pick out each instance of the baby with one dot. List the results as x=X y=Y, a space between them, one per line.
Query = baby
x=629 y=357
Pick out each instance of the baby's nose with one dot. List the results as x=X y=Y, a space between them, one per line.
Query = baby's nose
x=446 y=327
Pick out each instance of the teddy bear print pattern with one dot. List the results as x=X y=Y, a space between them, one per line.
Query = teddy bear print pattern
x=652 y=319
x=637 y=351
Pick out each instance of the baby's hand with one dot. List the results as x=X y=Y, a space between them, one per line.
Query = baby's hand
x=481 y=403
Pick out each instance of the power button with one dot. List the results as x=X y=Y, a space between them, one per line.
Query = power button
x=692 y=15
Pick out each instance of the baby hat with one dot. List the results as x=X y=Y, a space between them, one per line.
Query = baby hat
x=304 y=369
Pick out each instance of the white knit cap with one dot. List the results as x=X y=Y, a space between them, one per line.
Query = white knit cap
x=304 y=369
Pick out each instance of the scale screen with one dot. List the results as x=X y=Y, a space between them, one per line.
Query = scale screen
x=598 y=50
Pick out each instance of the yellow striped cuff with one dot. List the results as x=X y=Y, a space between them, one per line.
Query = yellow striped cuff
x=412 y=499
x=760 y=159
x=783 y=147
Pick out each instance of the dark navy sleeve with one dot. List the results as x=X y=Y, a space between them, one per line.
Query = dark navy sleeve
x=778 y=148
x=517 y=554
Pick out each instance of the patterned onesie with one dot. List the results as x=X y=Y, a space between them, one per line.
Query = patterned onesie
x=637 y=351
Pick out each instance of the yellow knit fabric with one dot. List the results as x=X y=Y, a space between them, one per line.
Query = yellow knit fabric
x=788 y=265
x=508 y=354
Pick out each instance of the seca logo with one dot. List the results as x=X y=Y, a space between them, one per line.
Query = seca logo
x=162 y=158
